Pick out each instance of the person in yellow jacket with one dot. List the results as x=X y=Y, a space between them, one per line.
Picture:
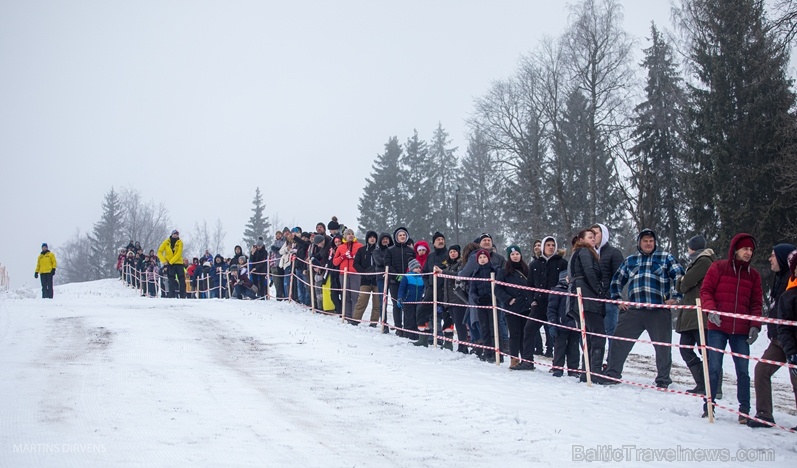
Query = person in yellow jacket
x=171 y=254
x=45 y=268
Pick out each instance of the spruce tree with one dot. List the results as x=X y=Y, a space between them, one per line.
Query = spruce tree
x=741 y=105
x=417 y=186
x=381 y=204
x=656 y=160
x=479 y=194
x=106 y=238
x=442 y=170
x=258 y=225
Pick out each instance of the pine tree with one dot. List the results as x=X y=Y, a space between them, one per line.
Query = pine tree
x=417 y=187
x=741 y=105
x=258 y=225
x=443 y=166
x=106 y=237
x=381 y=204
x=479 y=189
x=657 y=161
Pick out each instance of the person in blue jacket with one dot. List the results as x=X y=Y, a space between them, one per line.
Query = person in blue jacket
x=411 y=290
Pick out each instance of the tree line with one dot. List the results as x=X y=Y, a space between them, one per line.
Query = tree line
x=704 y=143
x=127 y=217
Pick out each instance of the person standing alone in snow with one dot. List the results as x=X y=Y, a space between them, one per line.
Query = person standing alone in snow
x=45 y=267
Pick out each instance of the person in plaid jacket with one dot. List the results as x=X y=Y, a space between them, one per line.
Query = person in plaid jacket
x=651 y=276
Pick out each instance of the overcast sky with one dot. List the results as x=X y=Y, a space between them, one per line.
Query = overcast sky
x=196 y=103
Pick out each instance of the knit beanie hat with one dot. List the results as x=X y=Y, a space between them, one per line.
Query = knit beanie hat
x=413 y=265
x=697 y=243
x=333 y=225
x=745 y=242
x=436 y=235
x=513 y=248
x=318 y=238
x=455 y=247
x=481 y=252
x=482 y=236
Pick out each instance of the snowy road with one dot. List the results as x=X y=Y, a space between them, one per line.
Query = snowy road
x=101 y=377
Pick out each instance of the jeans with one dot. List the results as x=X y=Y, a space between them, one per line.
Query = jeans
x=718 y=339
x=302 y=288
x=286 y=281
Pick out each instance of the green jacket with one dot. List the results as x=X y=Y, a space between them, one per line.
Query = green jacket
x=689 y=286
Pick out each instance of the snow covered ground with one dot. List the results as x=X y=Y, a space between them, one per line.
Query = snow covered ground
x=101 y=377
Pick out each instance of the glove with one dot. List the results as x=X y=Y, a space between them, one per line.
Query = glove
x=553 y=332
x=752 y=335
x=793 y=360
x=398 y=278
x=398 y=304
x=53 y=272
x=715 y=319
x=36 y=275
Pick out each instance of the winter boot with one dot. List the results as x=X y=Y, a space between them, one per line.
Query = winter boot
x=423 y=340
x=448 y=342
x=514 y=362
x=697 y=374
x=754 y=423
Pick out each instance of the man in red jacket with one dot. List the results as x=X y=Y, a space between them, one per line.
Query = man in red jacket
x=734 y=286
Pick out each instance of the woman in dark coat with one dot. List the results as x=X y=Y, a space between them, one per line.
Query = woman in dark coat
x=517 y=301
x=585 y=273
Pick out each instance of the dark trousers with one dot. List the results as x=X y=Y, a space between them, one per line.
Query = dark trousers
x=690 y=338
x=279 y=283
x=566 y=349
x=516 y=325
x=531 y=330
x=458 y=316
x=47 y=285
x=487 y=330
x=596 y=345
x=393 y=288
x=631 y=324
x=409 y=320
x=763 y=379
x=177 y=281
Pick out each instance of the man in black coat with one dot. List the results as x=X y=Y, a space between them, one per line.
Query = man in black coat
x=397 y=259
x=259 y=267
x=544 y=274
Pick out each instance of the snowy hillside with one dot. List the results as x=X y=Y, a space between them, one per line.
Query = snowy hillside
x=101 y=377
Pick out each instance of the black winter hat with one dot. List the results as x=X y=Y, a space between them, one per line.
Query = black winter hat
x=782 y=252
x=696 y=243
x=455 y=247
x=333 y=225
x=482 y=236
x=436 y=235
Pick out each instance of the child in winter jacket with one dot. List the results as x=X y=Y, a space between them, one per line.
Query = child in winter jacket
x=566 y=341
x=481 y=293
x=410 y=290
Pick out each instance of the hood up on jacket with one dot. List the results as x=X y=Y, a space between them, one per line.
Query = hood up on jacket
x=368 y=235
x=605 y=236
x=382 y=236
x=555 y=247
x=643 y=233
x=395 y=233
x=734 y=247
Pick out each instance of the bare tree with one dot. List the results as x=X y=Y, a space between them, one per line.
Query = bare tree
x=217 y=238
x=599 y=56
x=75 y=260
x=144 y=222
